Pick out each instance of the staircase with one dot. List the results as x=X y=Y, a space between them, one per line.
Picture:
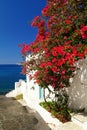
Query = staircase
x=80 y=119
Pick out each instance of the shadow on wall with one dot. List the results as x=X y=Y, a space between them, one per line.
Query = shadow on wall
x=78 y=89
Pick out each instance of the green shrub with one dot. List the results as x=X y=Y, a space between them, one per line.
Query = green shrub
x=18 y=97
x=62 y=114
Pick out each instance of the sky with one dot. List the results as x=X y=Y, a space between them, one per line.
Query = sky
x=15 y=28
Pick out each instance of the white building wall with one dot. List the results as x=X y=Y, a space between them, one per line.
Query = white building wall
x=32 y=88
x=78 y=90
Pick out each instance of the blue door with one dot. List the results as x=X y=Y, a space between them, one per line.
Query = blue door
x=41 y=93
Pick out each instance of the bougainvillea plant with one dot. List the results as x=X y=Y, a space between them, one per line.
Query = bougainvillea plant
x=61 y=41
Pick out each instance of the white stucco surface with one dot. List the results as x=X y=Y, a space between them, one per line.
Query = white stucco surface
x=78 y=89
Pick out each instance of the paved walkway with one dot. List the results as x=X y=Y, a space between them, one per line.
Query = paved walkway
x=79 y=121
x=55 y=124
x=14 y=116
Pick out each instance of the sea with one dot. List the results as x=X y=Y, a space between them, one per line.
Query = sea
x=9 y=74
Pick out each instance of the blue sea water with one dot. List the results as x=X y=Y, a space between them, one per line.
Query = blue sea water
x=9 y=74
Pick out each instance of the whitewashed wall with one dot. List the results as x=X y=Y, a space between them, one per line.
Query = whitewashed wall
x=32 y=89
x=29 y=95
x=78 y=89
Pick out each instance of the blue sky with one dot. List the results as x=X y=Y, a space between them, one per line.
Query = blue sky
x=15 y=16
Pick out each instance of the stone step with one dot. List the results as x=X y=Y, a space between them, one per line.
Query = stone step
x=70 y=126
x=80 y=119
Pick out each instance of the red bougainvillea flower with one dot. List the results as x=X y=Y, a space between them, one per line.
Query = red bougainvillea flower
x=58 y=50
x=40 y=37
x=43 y=65
x=68 y=21
x=84 y=32
x=54 y=60
x=45 y=11
x=54 y=69
x=81 y=55
x=35 y=21
x=68 y=42
x=41 y=23
x=61 y=62
x=25 y=49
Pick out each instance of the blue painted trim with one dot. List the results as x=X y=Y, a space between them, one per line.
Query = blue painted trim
x=41 y=93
